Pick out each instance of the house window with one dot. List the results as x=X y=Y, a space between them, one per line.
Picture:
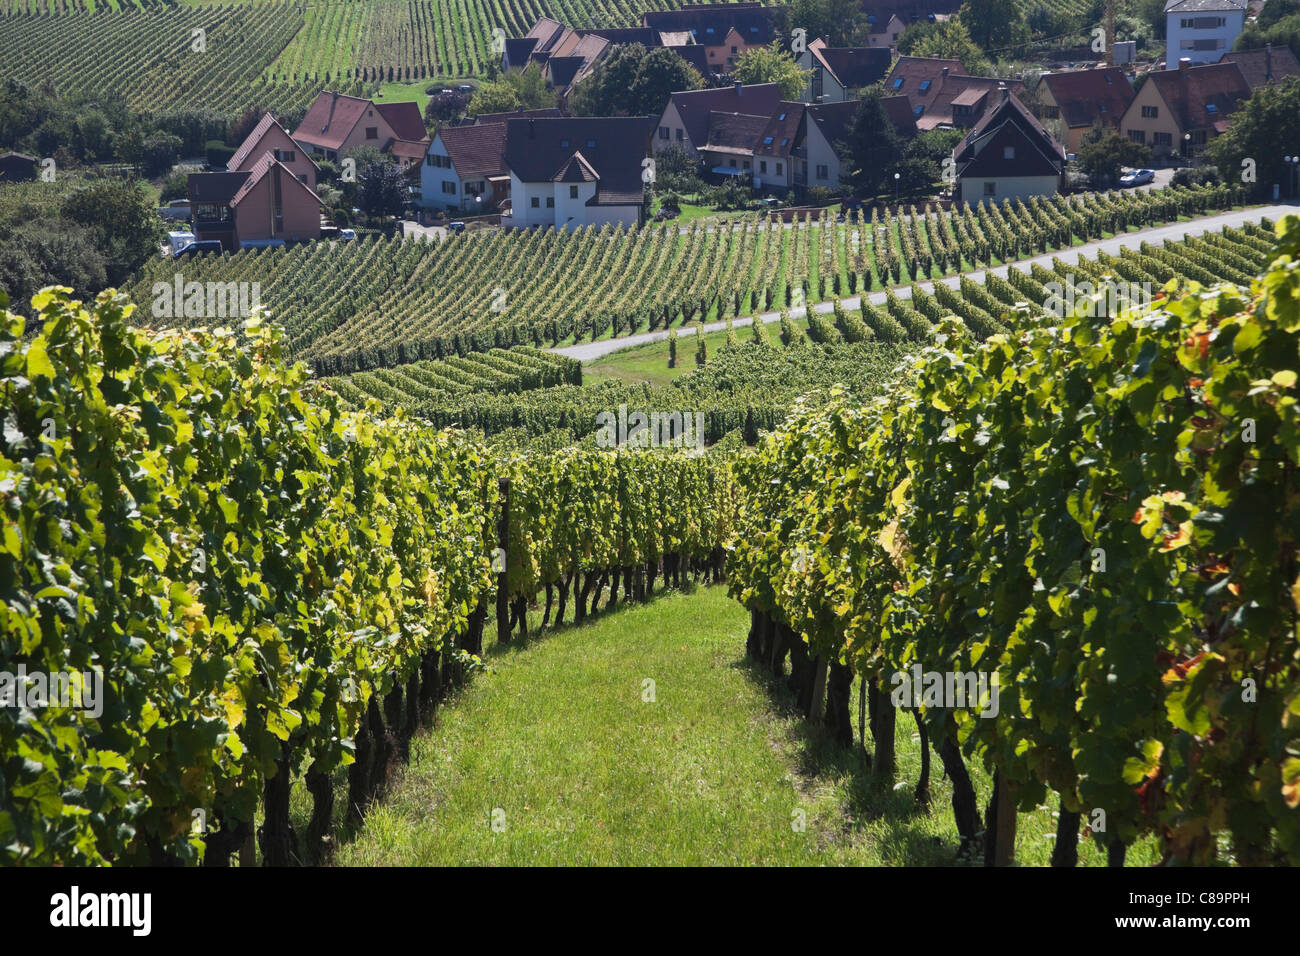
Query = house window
x=550 y=202
x=573 y=192
x=372 y=132
x=990 y=189
x=1150 y=112
x=212 y=212
x=679 y=136
x=285 y=155
x=1163 y=139
x=1138 y=135
x=1052 y=112
x=733 y=49
x=1008 y=152
x=731 y=163
x=898 y=83
x=537 y=203
x=767 y=140
x=747 y=164
x=925 y=86
x=449 y=188
x=663 y=132
x=779 y=170
x=919 y=110
x=823 y=172
x=762 y=165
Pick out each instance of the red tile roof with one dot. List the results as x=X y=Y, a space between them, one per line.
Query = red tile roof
x=405 y=119
x=853 y=67
x=254 y=139
x=1201 y=96
x=476 y=150
x=330 y=119
x=694 y=106
x=782 y=129
x=260 y=170
x=738 y=133
x=538 y=150
x=1009 y=121
x=1260 y=67
x=1090 y=96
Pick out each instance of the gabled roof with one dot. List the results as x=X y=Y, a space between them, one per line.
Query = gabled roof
x=933 y=94
x=408 y=148
x=538 y=150
x=254 y=139
x=911 y=72
x=620 y=35
x=550 y=113
x=710 y=23
x=263 y=168
x=1089 y=96
x=330 y=119
x=405 y=119
x=737 y=133
x=1201 y=97
x=836 y=119
x=14 y=154
x=560 y=70
x=519 y=50
x=899 y=111
x=1271 y=64
x=546 y=32
x=676 y=38
x=475 y=150
x=1010 y=122
x=781 y=135
x=694 y=106
x=1202 y=6
x=216 y=187
x=696 y=55
x=576 y=169
x=852 y=67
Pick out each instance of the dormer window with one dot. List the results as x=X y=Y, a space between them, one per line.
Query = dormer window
x=767 y=140
x=918 y=111
x=925 y=85
x=898 y=83
x=1211 y=108
x=781 y=118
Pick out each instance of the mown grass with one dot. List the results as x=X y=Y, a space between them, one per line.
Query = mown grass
x=581 y=770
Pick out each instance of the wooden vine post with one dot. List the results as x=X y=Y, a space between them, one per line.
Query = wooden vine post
x=819 y=688
x=503 y=542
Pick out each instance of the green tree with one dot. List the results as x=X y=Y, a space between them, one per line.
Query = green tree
x=923 y=155
x=873 y=149
x=993 y=23
x=381 y=189
x=701 y=348
x=672 y=348
x=124 y=221
x=1103 y=151
x=633 y=81
x=841 y=22
x=1263 y=129
x=771 y=64
x=517 y=88
x=950 y=40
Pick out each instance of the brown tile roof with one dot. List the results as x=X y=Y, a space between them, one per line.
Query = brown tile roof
x=853 y=67
x=710 y=23
x=476 y=150
x=405 y=119
x=518 y=50
x=216 y=187
x=781 y=135
x=642 y=35
x=546 y=32
x=694 y=54
x=927 y=86
x=906 y=10
x=1008 y=120
x=538 y=150
x=1090 y=96
x=694 y=106
x=1201 y=96
x=551 y=113
x=1262 y=66
x=330 y=119
x=409 y=148
x=911 y=72
x=737 y=133
x=899 y=111
x=260 y=170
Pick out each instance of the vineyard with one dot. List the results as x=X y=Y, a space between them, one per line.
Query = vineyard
x=1126 y=489
x=381 y=303
x=138 y=510
x=276 y=54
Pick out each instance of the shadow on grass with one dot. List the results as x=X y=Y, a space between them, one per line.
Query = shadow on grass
x=902 y=829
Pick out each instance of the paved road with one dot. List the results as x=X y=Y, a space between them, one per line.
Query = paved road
x=587 y=351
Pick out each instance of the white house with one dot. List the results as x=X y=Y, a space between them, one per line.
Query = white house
x=577 y=171
x=464 y=169
x=1201 y=30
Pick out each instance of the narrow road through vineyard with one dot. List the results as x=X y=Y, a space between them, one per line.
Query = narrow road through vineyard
x=564 y=754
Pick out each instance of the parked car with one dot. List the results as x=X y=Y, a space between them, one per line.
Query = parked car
x=1137 y=177
x=199 y=247
x=456 y=226
x=464 y=88
x=346 y=234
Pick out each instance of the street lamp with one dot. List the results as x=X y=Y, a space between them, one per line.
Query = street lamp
x=896 y=177
x=1293 y=174
x=1187 y=146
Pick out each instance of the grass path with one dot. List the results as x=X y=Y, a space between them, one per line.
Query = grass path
x=581 y=770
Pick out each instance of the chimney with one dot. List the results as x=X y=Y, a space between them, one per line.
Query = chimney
x=740 y=88
x=532 y=129
x=1002 y=92
x=1184 y=63
x=945 y=71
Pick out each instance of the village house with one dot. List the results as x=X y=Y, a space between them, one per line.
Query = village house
x=266 y=204
x=1265 y=66
x=1077 y=101
x=337 y=123
x=685 y=120
x=268 y=136
x=837 y=74
x=940 y=95
x=1007 y=155
x=1202 y=30
x=885 y=31
x=577 y=171
x=1179 y=111
x=725 y=30
x=465 y=169
x=17 y=167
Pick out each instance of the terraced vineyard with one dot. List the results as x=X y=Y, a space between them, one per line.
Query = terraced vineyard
x=272 y=53
x=385 y=302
